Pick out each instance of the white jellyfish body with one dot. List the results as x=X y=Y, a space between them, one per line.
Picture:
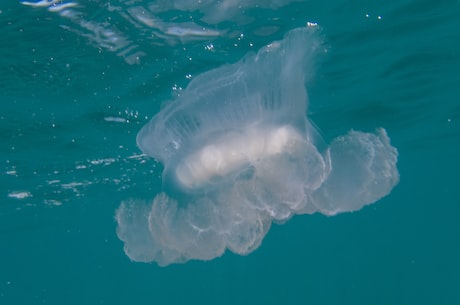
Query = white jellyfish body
x=239 y=153
x=232 y=152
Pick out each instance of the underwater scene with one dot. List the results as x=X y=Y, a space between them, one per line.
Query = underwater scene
x=229 y=152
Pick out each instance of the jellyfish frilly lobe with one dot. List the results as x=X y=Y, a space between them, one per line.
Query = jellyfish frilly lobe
x=239 y=153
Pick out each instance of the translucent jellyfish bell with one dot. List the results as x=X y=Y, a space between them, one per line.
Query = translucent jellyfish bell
x=239 y=153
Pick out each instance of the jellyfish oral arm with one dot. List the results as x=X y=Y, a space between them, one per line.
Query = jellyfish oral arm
x=233 y=151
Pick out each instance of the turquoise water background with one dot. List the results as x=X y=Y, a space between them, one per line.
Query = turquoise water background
x=77 y=84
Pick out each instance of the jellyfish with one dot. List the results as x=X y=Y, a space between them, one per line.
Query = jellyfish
x=239 y=153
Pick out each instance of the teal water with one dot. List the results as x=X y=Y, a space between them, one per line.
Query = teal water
x=77 y=84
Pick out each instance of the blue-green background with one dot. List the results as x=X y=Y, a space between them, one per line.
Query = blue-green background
x=397 y=68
